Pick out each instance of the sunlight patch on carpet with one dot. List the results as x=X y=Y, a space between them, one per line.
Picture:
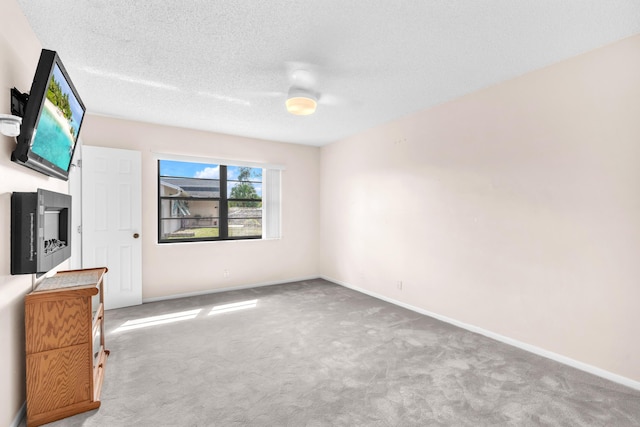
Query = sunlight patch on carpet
x=158 y=320
x=226 y=308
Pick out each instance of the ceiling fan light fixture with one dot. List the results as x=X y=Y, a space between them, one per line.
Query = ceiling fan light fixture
x=301 y=103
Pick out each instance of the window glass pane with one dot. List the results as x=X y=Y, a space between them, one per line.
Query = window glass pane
x=244 y=173
x=189 y=169
x=181 y=229
x=189 y=208
x=245 y=209
x=245 y=227
x=244 y=190
x=188 y=219
x=245 y=218
x=189 y=187
x=244 y=182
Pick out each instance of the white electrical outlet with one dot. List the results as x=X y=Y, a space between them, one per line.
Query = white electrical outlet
x=399 y=285
x=226 y=273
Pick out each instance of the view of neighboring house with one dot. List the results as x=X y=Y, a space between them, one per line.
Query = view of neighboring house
x=187 y=215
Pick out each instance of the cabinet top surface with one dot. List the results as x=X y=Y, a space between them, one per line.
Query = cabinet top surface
x=71 y=279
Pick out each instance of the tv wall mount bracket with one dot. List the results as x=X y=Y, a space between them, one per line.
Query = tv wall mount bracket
x=18 y=102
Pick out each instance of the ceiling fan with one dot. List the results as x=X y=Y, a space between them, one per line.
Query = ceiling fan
x=303 y=97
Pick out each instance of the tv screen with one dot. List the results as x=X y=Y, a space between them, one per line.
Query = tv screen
x=52 y=119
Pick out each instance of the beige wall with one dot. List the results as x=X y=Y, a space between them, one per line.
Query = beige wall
x=19 y=53
x=183 y=268
x=515 y=209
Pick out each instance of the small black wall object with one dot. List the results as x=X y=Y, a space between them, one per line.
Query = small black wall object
x=18 y=102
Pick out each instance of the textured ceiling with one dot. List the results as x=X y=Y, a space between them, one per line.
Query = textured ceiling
x=225 y=66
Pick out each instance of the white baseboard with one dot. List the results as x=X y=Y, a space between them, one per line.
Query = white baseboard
x=515 y=343
x=20 y=415
x=231 y=288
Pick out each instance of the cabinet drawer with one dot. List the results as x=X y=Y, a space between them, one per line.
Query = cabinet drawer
x=57 y=323
x=58 y=378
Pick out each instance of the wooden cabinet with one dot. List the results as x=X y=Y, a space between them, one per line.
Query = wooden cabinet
x=64 y=339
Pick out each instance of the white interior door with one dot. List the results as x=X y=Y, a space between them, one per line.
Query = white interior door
x=111 y=221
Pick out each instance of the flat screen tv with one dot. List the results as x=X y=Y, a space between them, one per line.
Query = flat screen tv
x=52 y=119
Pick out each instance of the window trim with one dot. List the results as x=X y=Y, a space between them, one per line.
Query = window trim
x=272 y=184
x=215 y=160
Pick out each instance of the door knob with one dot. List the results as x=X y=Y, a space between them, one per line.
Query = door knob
x=136 y=235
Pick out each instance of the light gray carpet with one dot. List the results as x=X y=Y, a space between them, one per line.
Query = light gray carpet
x=316 y=354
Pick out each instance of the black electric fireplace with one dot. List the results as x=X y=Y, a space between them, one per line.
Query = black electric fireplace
x=40 y=231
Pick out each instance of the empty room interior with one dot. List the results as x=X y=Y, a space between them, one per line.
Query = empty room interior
x=441 y=222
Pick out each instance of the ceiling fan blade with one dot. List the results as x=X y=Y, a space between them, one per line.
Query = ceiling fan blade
x=267 y=94
x=330 y=99
x=224 y=98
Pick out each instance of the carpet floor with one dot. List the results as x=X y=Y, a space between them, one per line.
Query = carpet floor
x=314 y=353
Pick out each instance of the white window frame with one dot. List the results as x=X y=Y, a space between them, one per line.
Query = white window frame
x=271 y=191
